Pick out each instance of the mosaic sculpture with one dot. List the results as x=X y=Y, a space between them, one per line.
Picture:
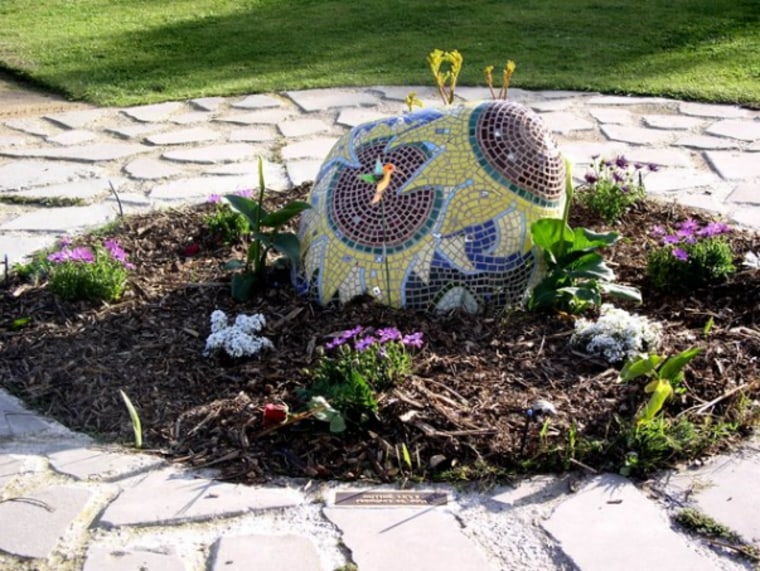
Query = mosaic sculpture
x=432 y=209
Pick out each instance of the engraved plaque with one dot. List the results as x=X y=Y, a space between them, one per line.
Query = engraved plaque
x=397 y=498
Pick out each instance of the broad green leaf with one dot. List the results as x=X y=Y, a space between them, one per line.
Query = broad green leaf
x=660 y=390
x=591 y=266
x=639 y=367
x=549 y=234
x=284 y=214
x=287 y=243
x=673 y=366
x=585 y=240
x=20 y=322
x=337 y=423
x=243 y=285
x=248 y=208
x=621 y=291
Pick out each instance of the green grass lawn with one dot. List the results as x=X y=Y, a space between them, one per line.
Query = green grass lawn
x=122 y=52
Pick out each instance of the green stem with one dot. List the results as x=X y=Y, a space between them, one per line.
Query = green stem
x=568 y=201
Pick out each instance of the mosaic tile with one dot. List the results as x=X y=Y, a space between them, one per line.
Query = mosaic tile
x=432 y=209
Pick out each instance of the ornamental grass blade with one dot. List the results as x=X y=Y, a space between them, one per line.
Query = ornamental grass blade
x=134 y=417
x=672 y=367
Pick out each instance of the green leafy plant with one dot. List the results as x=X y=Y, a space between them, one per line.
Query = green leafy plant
x=445 y=79
x=667 y=377
x=322 y=410
x=509 y=69
x=226 y=224
x=576 y=274
x=692 y=255
x=98 y=273
x=265 y=235
x=364 y=361
x=613 y=186
x=134 y=417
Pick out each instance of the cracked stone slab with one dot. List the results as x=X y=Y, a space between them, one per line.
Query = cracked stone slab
x=666 y=157
x=706 y=142
x=133 y=559
x=302 y=127
x=32 y=527
x=746 y=192
x=275 y=176
x=18 y=248
x=14 y=141
x=16 y=421
x=615 y=116
x=202 y=187
x=153 y=113
x=282 y=552
x=75 y=137
x=134 y=131
x=94 y=464
x=66 y=219
x=672 y=122
x=623 y=100
x=356 y=116
x=736 y=129
x=711 y=110
x=258 y=101
x=150 y=169
x=78 y=119
x=673 y=179
x=552 y=105
x=18 y=175
x=85 y=189
x=253 y=135
x=749 y=217
x=302 y=171
x=262 y=117
x=32 y=126
x=723 y=489
x=191 y=117
x=424 y=539
x=318 y=147
x=318 y=99
x=171 y=496
x=93 y=153
x=183 y=136
x=223 y=153
x=564 y=122
x=636 y=135
x=734 y=166
x=610 y=524
x=208 y=103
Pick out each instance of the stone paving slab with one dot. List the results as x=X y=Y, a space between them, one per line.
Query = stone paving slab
x=565 y=122
x=610 y=524
x=79 y=119
x=227 y=153
x=711 y=110
x=154 y=113
x=18 y=175
x=423 y=539
x=33 y=126
x=94 y=464
x=66 y=219
x=727 y=488
x=672 y=122
x=16 y=421
x=612 y=115
x=353 y=116
x=706 y=142
x=183 y=136
x=132 y=559
x=262 y=117
x=258 y=101
x=636 y=135
x=92 y=153
x=32 y=525
x=18 y=247
x=746 y=192
x=76 y=137
x=734 y=166
x=281 y=552
x=302 y=127
x=86 y=189
x=301 y=171
x=172 y=496
x=201 y=187
x=744 y=130
x=317 y=147
x=319 y=99
x=262 y=134
x=146 y=168
x=10 y=467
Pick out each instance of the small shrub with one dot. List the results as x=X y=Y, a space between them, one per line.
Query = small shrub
x=228 y=225
x=692 y=256
x=613 y=186
x=98 y=273
x=617 y=335
x=364 y=362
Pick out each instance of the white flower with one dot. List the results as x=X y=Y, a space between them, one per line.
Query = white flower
x=617 y=335
x=238 y=340
x=751 y=260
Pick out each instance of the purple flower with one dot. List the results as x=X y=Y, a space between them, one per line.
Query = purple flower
x=658 y=230
x=680 y=254
x=617 y=177
x=621 y=162
x=653 y=167
x=364 y=343
x=247 y=193
x=671 y=239
x=591 y=178
x=118 y=253
x=214 y=198
x=59 y=257
x=625 y=188
x=413 y=340
x=351 y=333
x=64 y=241
x=388 y=334
x=688 y=227
x=714 y=229
x=336 y=342
x=82 y=254
x=638 y=166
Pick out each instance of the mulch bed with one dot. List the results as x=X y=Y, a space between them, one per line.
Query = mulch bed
x=462 y=414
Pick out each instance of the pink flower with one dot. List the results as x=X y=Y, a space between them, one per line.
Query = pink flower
x=275 y=414
x=680 y=254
